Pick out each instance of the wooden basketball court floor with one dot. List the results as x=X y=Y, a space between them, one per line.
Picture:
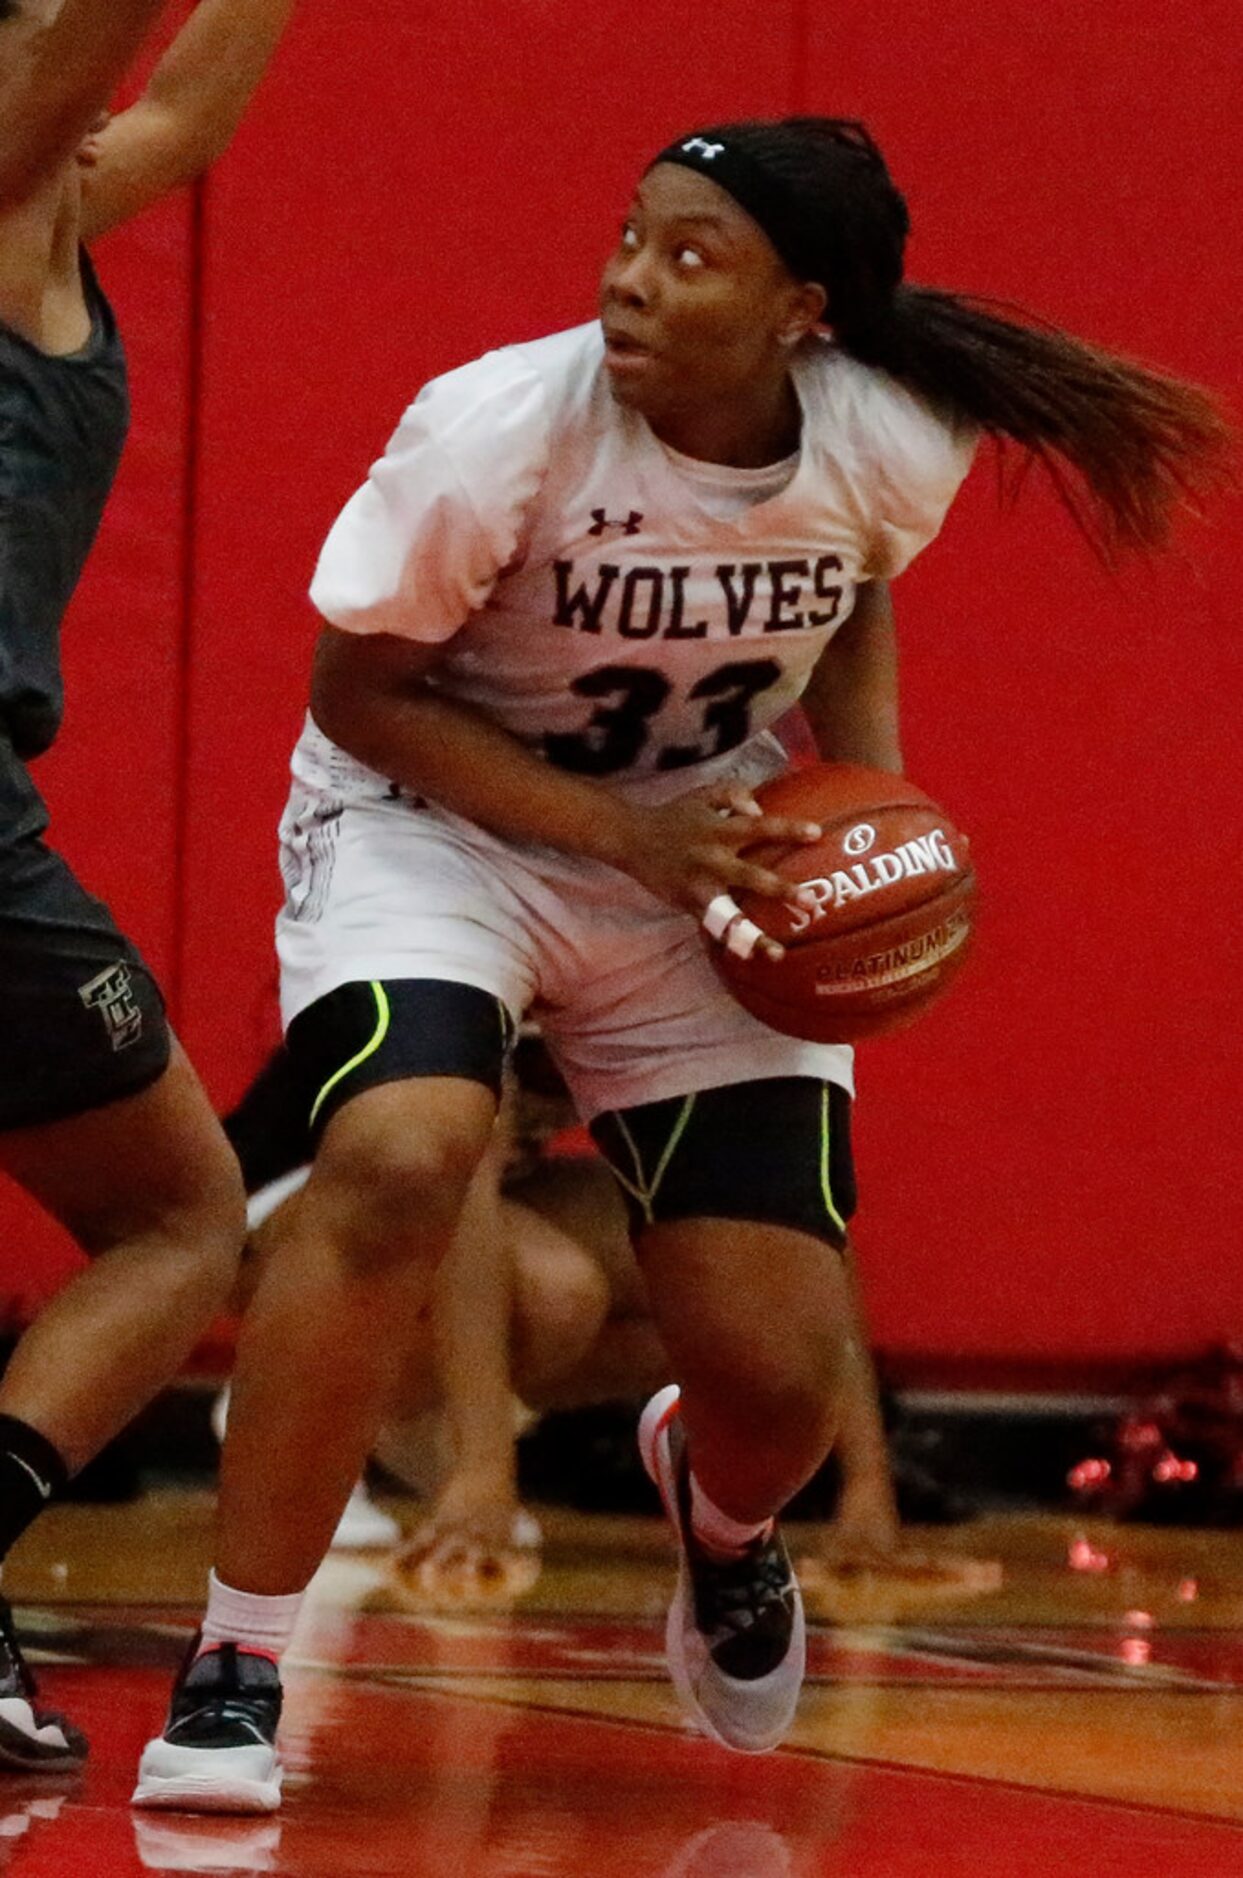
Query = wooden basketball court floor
x=1008 y=1715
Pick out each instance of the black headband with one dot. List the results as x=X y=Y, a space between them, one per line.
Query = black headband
x=766 y=198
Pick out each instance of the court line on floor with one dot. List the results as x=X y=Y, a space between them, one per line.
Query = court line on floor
x=837 y=1757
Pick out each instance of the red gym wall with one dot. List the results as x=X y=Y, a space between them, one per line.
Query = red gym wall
x=1048 y=1163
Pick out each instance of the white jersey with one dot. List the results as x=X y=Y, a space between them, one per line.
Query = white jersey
x=591 y=596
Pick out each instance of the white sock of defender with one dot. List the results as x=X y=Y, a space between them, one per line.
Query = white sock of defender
x=264 y=1625
x=716 y=1531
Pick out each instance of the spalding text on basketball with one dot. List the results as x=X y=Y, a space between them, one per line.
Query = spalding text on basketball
x=923 y=854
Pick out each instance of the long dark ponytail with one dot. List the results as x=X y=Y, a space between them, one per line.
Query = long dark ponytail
x=1126 y=447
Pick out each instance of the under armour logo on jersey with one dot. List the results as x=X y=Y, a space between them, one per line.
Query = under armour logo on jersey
x=600 y=521
x=708 y=151
x=112 y=995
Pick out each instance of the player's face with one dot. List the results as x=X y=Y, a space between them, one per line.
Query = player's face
x=695 y=302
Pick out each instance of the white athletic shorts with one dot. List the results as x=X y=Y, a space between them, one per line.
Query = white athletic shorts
x=380 y=885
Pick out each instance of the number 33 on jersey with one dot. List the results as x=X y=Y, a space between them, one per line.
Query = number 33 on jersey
x=631 y=615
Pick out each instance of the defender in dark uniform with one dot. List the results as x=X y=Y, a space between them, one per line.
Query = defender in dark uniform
x=102 y=1119
x=84 y=1019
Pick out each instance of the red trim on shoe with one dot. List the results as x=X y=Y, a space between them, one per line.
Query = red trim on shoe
x=243 y=1649
x=725 y=1555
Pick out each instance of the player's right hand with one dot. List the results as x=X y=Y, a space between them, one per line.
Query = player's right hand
x=689 y=852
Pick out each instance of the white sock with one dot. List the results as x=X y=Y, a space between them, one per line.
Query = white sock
x=716 y=1530
x=264 y=1625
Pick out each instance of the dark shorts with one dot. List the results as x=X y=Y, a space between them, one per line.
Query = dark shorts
x=84 y=1020
x=775 y=1152
x=270 y=1127
x=369 y=1033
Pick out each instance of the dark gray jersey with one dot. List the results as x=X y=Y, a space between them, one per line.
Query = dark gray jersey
x=62 y=426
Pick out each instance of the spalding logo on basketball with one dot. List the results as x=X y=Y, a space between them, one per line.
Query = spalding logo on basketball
x=891 y=887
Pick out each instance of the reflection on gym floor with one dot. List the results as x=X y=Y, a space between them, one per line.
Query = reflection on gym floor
x=987 y=1706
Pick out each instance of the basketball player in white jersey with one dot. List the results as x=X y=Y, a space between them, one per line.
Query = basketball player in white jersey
x=561 y=614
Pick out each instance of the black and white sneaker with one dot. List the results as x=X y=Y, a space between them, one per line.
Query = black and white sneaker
x=33 y=1740
x=218 y=1750
x=736 y=1641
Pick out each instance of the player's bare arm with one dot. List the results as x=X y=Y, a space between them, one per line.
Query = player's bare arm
x=57 y=71
x=369 y=695
x=188 y=113
x=851 y=701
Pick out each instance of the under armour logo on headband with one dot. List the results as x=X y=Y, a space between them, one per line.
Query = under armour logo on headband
x=707 y=150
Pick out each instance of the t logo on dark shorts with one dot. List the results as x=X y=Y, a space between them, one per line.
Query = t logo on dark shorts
x=111 y=994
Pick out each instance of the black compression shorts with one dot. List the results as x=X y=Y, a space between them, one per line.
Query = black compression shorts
x=270 y=1128
x=84 y=1020
x=775 y=1152
x=369 y=1032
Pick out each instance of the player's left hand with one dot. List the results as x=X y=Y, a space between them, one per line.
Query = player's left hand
x=690 y=852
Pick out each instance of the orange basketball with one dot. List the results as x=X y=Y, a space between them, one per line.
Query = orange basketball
x=891 y=926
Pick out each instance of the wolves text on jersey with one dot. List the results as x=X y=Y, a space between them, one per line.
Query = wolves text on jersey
x=650 y=602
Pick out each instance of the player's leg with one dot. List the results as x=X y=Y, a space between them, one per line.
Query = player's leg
x=570 y=1330
x=406 y=1105
x=583 y=1330
x=148 y=1188
x=739 y=1198
x=560 y=1302
x=351 y=1259
x=269 y=1132
x=866 y=1523
x=104 y=1123
x=453 y=1350
x=753 y=1318
x=577 y=1199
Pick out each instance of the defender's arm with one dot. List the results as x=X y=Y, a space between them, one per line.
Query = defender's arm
x=58 y=78
x=188 y=114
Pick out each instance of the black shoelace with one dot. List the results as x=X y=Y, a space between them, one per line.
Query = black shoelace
x=734 y=1596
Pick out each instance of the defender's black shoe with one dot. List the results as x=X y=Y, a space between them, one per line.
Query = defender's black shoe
x=32 y=1739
